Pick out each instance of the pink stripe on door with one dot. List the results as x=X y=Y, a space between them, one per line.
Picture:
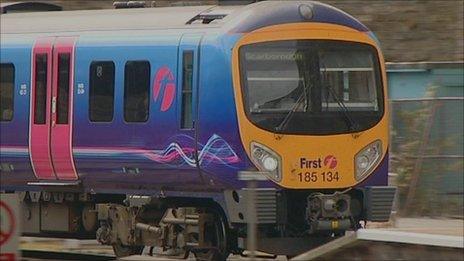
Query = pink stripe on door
x=39 y=133
x=61 y=142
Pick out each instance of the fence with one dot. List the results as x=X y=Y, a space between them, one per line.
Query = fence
x=427 y=155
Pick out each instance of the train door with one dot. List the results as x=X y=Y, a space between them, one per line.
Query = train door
x=188 y=72
x=51 y=109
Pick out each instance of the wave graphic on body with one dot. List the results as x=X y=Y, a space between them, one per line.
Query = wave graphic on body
x=179 y=152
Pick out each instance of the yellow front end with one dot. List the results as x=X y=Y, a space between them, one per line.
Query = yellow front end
x=311 y=161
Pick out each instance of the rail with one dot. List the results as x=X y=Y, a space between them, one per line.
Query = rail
x=58 y=255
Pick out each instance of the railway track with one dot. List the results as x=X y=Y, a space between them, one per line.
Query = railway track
x=367 y=244
x=36 y=255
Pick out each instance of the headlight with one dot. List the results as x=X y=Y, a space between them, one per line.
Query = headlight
x=366 y=159
x=266 y=161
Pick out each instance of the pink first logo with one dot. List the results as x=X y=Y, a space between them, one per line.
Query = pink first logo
x=164 y=84
x=330 y=161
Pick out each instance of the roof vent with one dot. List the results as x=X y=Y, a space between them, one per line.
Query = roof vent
x=205 y=18
x=21 y=7
x=211 y=15
x=187 y=3
x=237 y=2
x=129 y=4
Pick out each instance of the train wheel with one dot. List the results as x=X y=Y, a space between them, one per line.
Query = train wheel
x=121 y=250
x=214 y=234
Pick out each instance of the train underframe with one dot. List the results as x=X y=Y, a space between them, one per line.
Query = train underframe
x=288 y=221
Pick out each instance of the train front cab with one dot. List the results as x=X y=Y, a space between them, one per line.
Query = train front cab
x=313 y=116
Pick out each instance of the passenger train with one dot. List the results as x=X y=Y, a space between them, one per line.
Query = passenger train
x=156 y=127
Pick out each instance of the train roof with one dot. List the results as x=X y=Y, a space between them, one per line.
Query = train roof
x=232 y=18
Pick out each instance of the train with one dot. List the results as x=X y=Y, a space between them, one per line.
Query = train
x=180 y=128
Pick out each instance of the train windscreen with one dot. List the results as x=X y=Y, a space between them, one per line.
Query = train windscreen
x=311 y=86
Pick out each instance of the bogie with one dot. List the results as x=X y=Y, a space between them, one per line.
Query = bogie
x=176 y=230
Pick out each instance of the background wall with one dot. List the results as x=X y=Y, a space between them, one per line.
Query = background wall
x=409 y=30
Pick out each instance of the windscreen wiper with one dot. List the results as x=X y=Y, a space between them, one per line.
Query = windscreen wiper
x=289 y=115
x=353 y=125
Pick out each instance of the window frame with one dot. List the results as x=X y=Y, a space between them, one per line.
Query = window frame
x=12 y=92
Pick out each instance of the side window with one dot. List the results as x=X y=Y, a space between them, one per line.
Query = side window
x=40 y=88
x=7 y=75
x=187 y=97
x=136 y=91
x=101 y=98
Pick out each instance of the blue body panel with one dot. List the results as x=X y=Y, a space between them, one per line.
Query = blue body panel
x=104 y=152
x=160 y=153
